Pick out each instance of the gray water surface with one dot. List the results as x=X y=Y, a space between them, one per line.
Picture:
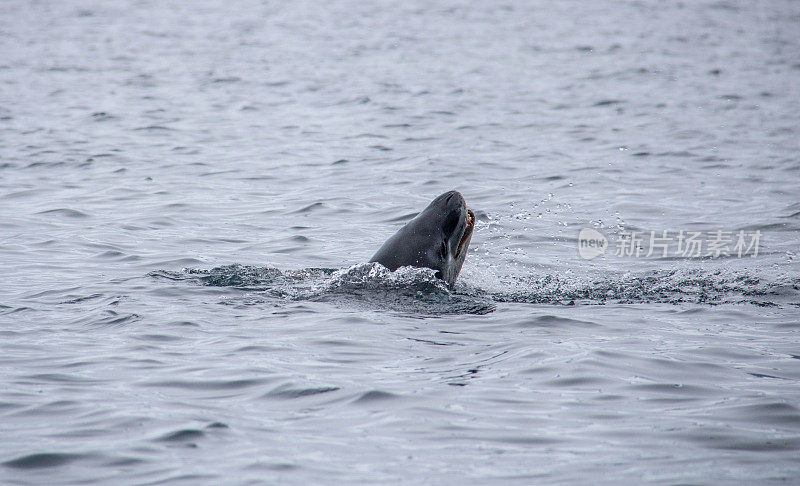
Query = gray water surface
x=189 y=193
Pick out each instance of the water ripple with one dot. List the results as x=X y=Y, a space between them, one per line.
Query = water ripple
x=43 y=460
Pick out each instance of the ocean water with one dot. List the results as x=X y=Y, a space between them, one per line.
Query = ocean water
x=189 y=192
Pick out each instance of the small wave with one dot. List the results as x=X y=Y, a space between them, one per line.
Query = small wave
x=286 y=392
x=42 y=460
x=65 y=212
x=154 y=128
x=182 y=435
x=208 y=385
x=375 y=396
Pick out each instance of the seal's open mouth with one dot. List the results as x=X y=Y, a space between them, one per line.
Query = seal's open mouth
x=467 y=232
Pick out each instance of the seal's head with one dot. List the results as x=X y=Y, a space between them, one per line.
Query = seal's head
x=437 y=238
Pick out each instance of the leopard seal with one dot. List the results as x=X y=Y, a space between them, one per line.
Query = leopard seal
x=437 y=238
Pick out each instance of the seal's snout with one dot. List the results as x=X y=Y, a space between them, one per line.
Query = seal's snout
x=453 y=198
